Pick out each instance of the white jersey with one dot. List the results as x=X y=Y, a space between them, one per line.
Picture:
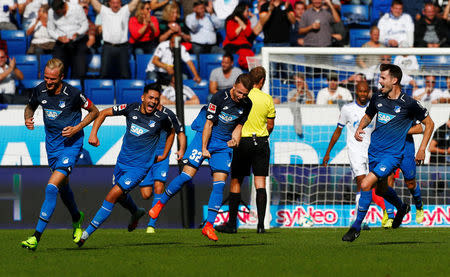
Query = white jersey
x=400 y=29
x=351 y=115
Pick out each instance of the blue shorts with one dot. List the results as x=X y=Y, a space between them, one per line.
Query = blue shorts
x=157 y=172
x=127 y=177
x=221 y=154
x=64 y=160
x=383 y=166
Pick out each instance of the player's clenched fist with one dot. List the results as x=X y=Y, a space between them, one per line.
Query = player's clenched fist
x=29 y=122
x=93 y=140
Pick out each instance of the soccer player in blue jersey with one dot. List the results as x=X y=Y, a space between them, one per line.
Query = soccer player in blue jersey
x=222 y=123
x=395 y=113
x=157 y=175
x=61 y=104
x=144 y=126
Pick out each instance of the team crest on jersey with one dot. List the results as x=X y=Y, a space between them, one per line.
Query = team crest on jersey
x=127 y=182
x=385 y=117
x=137 y=130
x=62 y=104
x=226 y=118
x=65 y=160
x=240 y=111
x=163 y=174
x=397 y=109
x=152 y=123
x=212 y=108
x=52 y=114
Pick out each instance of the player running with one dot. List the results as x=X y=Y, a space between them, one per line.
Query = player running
x=395 y=112
x=350 y=116
x=61 y=104
x=144 y=126
x=224 y=118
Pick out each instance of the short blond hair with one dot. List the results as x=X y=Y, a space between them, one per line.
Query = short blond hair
x=168 y=10
x=56 y=63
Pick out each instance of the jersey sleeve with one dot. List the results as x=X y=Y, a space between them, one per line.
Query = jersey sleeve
x=33 y=100
x=371 y=110
x=85 y=103
x=246 y=112
x=175 y=122
x=214 y=107
x=342 y=118
x=122 y=109
x=418 y=110
x=167 y=124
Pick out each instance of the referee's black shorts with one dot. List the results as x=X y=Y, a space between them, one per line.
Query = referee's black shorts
x=251 y=154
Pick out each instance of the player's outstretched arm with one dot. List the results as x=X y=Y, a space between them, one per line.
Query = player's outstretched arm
x=182 y=142
x=93 y=139
x=168 y=146
x=206 y=135
x=235 y=136
x=69 y=131
x=429 y=127
x=365 y=121
x=334 y=138
x=28 y=115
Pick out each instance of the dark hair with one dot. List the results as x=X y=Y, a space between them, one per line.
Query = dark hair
x=394 y=71
x=228 y=55
x=257 y=74
x=152 y=86
x=396 y=2
x=239 y=12
x=58 y=4
x=245 y=80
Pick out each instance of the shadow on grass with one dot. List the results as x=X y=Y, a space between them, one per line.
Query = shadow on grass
x=113 y=245
x=231 y=245
x=403 y=242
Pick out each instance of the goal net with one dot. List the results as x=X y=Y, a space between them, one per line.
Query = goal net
x=299 y=184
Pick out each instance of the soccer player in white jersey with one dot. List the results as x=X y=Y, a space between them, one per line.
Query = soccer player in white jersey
x=351 y=114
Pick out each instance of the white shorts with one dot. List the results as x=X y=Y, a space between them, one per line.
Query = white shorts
x=359 y=163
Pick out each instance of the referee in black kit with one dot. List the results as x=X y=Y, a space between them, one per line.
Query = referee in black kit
x=253 y=152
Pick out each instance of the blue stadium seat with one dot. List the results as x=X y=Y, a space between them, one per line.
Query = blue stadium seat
x=355 y=15
x=201 y=89
x=186 y=69
x=358 y=37
x=129 y=91
x=16 y=41
x=207 y=63
x=435 y=62
x=378 y=8
x=28 y=64
x=132 y=67
x=142 y=61
x=280 y=90
x=74 y=83
x=94 y=63
x=28 y=84
x=100 y=91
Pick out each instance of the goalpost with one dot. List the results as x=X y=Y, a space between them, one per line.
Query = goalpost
x=298 y=184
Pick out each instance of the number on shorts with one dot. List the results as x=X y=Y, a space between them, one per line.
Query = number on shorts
x=196 y=155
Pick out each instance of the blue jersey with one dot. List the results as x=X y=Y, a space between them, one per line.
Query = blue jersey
x=60 y=111
x=199 y=122
x=226 y=114
x=394 y=119
x=141 y=138
x=176 y=125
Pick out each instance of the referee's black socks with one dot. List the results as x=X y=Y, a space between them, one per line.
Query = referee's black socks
x=261 y=203
x=235 y=200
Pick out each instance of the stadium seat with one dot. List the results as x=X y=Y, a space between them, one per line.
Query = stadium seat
x=316 y=84
x=355 y=15
x=99 y=91
x=129 y=91
x=435 y=62
x=27 y=84
x=94 y=63
x=132 y=67
x=201 y=89
x=187 y=71
x=358 y=37
x=207 y=63
x=280 y=90
x=16 y=41
x=378 y=8
x=142 y=61
x=28 y=64
x=74 y=83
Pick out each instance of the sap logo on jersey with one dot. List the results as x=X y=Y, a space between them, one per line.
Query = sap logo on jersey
x=385 y=117
x=52 y=114
x=226 y=118
x=137 y=130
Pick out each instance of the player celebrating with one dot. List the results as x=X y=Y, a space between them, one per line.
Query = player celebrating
x=225 y=116
x=144 y=126
x=395 y=114
x=157 y=175
x=351 y=114
x=64 y=135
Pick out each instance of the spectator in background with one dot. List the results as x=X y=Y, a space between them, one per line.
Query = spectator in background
x=172 y=24
x=333 y=94
x=8 y=8
x=301 y=94
x=160 y=67
x=276 y=18
x=440 y=145
x=407 y=63
x=93 y=37
x=8 y=74
x=430 y=31
x=168 y=96
x=67 y=24
x=29 y=11
x=430 y=93
x=294 y=37
x=316 y=24
x=144 y=30
x=238 y=30
x=115 y=37
x=157 y=6
x=224 y=77
x=42 y=42
x=396 y=26
x=366 y=61
x=203 y=24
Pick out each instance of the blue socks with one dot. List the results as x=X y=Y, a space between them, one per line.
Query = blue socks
x=51 y=195
x=215 y=201
x=175 y=186
x=417 y=197
x=389 y=208
x=66 y=194
x=128 y=203
x=103 y=213
x=156 y=198
x=363 y=206
x=391 y=196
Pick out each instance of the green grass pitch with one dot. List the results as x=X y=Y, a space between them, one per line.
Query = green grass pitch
x=185 y=252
